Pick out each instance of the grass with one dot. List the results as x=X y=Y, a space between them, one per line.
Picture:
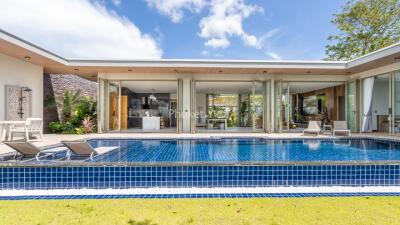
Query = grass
x=272 y=211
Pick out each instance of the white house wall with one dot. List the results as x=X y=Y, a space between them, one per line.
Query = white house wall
x=186 y=106
x=20 y=73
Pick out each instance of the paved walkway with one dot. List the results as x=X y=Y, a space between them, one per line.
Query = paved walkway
x=52 y=139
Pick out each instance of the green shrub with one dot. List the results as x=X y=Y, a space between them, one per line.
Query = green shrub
x=58 y=127
x=86 y=108
x=55 y=127
x=79 y=130
x=78 y=115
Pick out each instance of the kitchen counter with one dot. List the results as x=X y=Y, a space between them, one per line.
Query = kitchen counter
x=151 y=123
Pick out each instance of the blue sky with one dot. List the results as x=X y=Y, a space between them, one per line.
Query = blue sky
x=211 y=29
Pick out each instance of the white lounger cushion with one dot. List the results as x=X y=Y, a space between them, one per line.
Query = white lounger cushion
x=341 y=127
x=102 y=150
x=313 y=127
x=83 y=148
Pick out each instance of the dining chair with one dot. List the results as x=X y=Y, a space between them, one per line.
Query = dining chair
x=32 y=126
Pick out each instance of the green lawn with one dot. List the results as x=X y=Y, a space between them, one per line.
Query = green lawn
x=324 y=211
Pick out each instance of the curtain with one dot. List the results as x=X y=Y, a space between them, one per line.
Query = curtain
x=368 y=86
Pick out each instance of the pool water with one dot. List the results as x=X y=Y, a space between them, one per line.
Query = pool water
x=216 y=163
x=240 y=150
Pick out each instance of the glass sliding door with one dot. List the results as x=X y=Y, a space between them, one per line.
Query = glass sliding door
x=257 y=106
x=193 y=114
x=282 y=106
x=396 y=102
x=148 y=106
x=113 y=105
x=380 y=95
x=229 y=106
x=139 y=106
x=286 y=106
x=278 y=106
x=351 y=105
x=267 y=106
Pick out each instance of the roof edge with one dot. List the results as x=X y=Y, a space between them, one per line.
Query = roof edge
x=380 y=53
x=31 y=47
x=320 y=64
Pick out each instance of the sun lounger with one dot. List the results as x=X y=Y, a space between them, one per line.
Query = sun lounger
x=82 y=149
x=26 y=150
x=340 y=127
x=313 y=127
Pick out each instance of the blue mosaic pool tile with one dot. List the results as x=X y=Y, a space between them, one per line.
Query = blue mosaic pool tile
x=123 y=177
x=225 y=195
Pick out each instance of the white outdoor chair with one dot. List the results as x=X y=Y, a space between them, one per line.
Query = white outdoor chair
x=32 y=126
x=340 y=127
x=313 y=127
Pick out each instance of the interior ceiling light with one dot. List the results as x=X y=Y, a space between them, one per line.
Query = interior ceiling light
x=152 y=96
x=27 y=57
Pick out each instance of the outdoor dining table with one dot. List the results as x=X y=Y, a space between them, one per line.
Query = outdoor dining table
x=223 y=120
x=7 y=126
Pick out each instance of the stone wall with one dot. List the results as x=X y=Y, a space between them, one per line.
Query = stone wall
x=54 y=86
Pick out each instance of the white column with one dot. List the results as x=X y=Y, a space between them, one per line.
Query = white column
x=186 y=97
x=272 y=106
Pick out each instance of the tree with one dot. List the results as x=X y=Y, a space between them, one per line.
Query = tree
x=365 y=26
x=71 y=100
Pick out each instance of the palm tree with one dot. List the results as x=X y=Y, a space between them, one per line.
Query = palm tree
x=70 y=101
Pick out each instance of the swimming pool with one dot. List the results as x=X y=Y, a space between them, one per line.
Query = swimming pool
x=217 y=163
x=247 y=151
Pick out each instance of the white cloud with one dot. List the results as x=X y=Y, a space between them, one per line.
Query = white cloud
x=174 y=8
x=250 y=40
x=274 y=55
x=77 y=29
x=218 y=43
x=225 y=20
x=267 y=35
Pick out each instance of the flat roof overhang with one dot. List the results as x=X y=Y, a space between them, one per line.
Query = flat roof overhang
x=208 y=66
x=53 y=63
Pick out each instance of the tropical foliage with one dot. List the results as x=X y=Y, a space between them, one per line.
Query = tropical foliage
x=70 y=102
x=78 y=114
x=365 y=26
